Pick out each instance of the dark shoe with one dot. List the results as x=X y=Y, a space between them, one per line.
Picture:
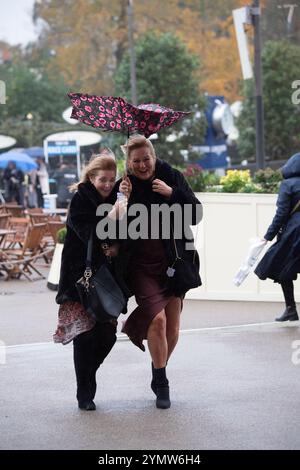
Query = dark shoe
x=163 y=397
x=153 y=384
x=161 y=385
x=87 y=405
x=290 y=314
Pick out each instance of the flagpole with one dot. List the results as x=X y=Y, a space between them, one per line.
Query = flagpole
x=132 y=53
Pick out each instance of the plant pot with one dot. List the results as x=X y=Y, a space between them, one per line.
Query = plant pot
x=54 y=273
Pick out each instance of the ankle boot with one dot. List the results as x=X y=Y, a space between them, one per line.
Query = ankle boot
x=290 y=314
x=88 y=405
x=153 y=384
x=162 y=388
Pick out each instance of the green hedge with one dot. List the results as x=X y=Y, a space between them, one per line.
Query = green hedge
x=235 y=181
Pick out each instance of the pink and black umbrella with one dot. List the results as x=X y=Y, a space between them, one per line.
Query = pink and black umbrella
x=110 y=113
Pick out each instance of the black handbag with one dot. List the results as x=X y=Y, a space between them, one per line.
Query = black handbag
x=184 y=274
x=99 y=293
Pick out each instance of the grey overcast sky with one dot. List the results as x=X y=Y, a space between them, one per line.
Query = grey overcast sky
x=16 y=26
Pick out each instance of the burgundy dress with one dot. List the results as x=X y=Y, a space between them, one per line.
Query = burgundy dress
x=150 y=287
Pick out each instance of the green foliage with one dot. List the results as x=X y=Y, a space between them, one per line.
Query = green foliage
x=198 y=179
x=164 y=72
x=165 y=75
x=268 y=179
x=281 y=67
x=61 y=235
x=32 y=91
x=235 y=181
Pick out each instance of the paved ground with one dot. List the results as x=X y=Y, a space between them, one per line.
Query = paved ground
x=232 y=387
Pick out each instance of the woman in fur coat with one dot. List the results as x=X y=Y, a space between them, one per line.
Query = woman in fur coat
x=162 y=268
x=92 y=341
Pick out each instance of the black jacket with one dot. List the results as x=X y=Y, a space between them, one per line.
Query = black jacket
x=282 y=261
x=81 y=221
x=289 y=195
x=187 y=271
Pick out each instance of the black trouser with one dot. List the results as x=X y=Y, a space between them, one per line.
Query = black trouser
x=90 y=349
x=288 y=292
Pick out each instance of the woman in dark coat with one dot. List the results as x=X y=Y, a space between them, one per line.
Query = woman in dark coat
x=282 y=261
x=13 y=180
x=91 y=341
x=159 y=290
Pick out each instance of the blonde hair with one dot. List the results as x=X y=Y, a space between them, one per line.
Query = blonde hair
x=137 y=141
x=104 y=161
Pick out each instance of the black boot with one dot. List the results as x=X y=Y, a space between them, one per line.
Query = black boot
x=87 y=405
x=153 y=385
x=162 y=388
x=290 y=314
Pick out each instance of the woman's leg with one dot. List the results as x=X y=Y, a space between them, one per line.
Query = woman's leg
x=173 y=311
x=288 y=292
x=90 y=349
x=290 y=313
x=158 y=347
x=157 y=340
x=83 y=354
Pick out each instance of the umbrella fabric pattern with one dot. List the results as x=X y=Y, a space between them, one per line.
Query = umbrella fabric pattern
x=110 y=113
x=22 y=160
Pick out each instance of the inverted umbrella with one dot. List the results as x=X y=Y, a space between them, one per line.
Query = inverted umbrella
x=22 y=160
x=110 y=113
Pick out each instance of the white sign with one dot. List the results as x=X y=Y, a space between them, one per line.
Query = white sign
x=241 y=16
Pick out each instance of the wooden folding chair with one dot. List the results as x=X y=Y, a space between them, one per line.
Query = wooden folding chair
x=20 y=227
x=54 y=226
x=14 y=209
x=39 y=218
x=35 y=210
x=4 y=219
x=19 y=262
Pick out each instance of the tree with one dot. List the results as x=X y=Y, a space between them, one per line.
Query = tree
x=280 y=68
x=34 y=103
x=89 y=38
x=165 y=75
x=32 y=91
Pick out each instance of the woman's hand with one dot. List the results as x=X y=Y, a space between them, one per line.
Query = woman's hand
x=159 y=186
x=111 y=251
x=126 y=186
x=119 y=209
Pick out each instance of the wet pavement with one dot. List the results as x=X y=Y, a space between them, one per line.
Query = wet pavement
x=234 y=377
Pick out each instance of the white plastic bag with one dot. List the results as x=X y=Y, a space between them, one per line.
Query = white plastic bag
x=256 y=247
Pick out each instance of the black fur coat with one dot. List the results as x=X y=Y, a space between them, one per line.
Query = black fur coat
x=187 y=271
x=81 y=221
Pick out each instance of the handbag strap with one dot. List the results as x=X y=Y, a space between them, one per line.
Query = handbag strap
x=295 y=207
x=88 y=263
x=175 y=245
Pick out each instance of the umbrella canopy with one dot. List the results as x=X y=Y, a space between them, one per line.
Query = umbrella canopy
x=22 y=160
x=110 y=113
x=34 y=152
